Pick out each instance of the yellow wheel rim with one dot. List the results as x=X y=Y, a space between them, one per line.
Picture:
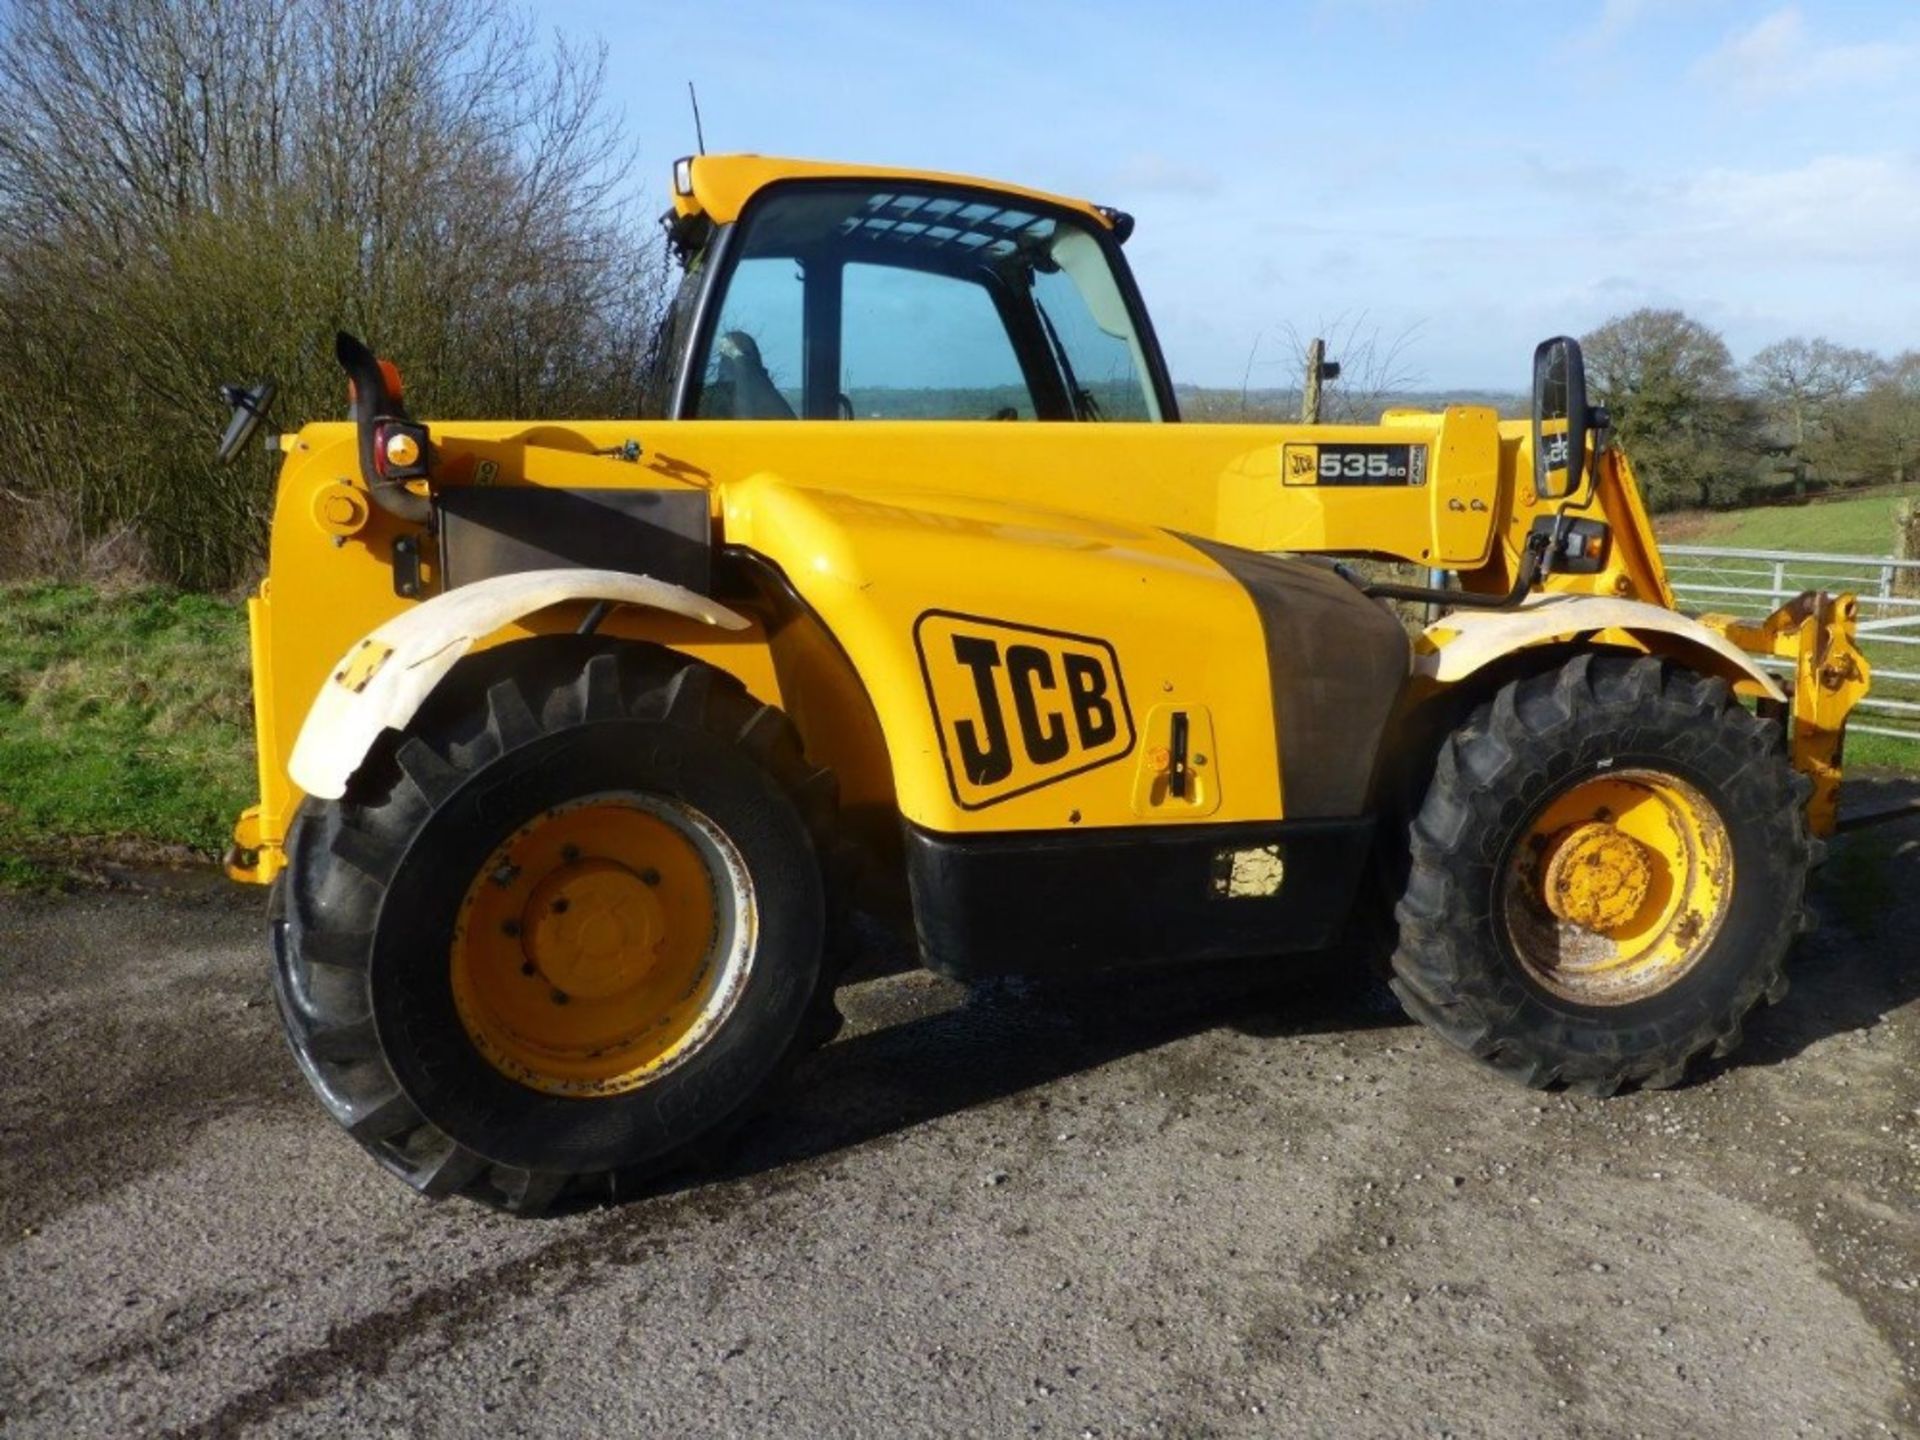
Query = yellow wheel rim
x=1618 y=887
x=603 y=943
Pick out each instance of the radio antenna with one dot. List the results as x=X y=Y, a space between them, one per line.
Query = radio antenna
x=699 y=136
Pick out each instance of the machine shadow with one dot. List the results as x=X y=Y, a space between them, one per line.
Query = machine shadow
x=1861 y=964
x=1003 y=1038
x=992 y=1041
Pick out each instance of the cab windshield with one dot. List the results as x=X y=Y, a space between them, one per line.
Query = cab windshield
x=896 y=303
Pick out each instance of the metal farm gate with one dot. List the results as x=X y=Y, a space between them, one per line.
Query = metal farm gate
x=1753 y=583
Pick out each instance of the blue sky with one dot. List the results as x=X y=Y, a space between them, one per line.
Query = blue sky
x=1472 y=176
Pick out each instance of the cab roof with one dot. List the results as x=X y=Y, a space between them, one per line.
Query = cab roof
x=719 y=186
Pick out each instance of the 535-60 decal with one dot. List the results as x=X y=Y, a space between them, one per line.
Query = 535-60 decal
x=1354 y=464
x=1017 y=706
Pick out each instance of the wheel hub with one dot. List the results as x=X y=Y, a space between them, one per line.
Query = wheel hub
x=594 y=929
x=1597 y=877
x=1618 y=886
x=602 y=942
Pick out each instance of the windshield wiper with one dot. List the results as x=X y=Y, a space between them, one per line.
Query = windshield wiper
x=1085 y=407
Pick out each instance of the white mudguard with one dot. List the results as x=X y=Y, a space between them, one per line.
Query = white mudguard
x=382 y=680
x=1466 y=640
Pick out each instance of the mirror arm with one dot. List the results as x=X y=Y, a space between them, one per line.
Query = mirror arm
x=372 y=404
x=1560 y=516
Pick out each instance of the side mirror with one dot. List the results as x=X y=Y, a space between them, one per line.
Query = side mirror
x=249 y=405
x=1560 y=418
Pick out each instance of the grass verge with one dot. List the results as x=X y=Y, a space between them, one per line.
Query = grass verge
x=125 y=727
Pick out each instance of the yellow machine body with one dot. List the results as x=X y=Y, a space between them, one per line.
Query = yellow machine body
x=984 y=628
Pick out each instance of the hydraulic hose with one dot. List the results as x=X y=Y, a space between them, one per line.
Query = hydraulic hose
x=1523 y=582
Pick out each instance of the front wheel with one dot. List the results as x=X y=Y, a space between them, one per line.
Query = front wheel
x=1607 y=873
x=565 y=931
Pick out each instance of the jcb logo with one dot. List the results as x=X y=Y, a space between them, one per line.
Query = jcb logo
x=1018 y=707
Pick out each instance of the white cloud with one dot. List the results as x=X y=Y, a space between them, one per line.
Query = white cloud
x=1778 y=58
x=1822 y=246
x=1853 y=209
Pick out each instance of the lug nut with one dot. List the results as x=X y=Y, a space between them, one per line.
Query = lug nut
x=510 y=927
x=649 y=876
x=527 y=967
x=560 y=906
x=560 y=997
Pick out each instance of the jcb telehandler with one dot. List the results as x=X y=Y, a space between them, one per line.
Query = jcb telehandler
x=579 y=741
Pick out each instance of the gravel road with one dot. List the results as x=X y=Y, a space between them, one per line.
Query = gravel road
x=1250 y=1200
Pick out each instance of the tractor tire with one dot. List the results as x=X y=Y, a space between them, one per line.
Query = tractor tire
x=565 y=930
x=1607 y=872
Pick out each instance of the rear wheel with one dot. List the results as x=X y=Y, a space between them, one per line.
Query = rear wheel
x=563 y=933
x=1607 y=872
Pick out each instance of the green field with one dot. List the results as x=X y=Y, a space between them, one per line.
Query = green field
x=125 y=725
x=1842 y=527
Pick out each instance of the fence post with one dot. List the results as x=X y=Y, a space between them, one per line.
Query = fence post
x=1779 y=581
x=1906 y=546
x=1310 y=389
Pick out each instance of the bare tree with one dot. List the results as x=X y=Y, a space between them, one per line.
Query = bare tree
x=1880 y=435
x=1374 y=366
x=1804 y=384
x=192 y=192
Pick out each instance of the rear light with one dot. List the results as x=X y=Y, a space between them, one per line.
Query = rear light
x=400 y=450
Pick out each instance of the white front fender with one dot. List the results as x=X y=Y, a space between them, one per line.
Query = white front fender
x=382 y=680
x=1466 y=640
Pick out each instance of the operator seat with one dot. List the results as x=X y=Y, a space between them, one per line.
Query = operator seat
x=755 y=396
